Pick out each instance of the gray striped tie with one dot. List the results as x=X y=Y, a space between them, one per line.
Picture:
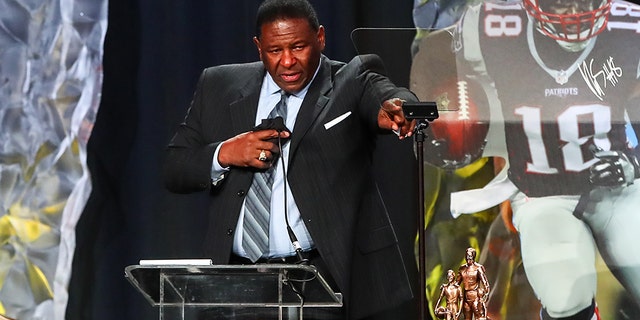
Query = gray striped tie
x=255 y=238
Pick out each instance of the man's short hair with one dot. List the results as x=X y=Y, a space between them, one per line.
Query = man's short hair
x=272 y=10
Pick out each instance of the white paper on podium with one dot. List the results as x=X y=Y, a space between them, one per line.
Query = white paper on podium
x=177 y=262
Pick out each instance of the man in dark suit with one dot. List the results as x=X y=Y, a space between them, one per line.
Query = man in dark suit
x=333 y=112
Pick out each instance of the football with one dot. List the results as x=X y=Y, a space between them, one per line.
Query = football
x=458 y=136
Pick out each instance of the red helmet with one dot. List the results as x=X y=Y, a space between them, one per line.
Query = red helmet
x=569 y=20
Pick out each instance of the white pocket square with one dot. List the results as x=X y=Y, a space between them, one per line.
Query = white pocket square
x=337 y=120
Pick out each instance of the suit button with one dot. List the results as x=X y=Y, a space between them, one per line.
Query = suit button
x=229 y=232
x=241 y=193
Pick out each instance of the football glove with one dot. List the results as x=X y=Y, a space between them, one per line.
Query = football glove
x=614 y=169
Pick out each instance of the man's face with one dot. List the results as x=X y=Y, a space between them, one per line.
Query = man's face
x=470 y=256
x=290 y=50
x=451 y=276
x=566 y=6
x=570 y=22
x=571 y=9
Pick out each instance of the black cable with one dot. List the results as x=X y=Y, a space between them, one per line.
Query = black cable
x=292 y=235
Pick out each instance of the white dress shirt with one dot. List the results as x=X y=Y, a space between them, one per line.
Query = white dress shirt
x=279 y=241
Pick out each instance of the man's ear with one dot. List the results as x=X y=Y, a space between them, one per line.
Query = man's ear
x=256 y=41
x=321 y=37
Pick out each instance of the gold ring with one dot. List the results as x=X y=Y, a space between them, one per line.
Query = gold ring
x=262 y=156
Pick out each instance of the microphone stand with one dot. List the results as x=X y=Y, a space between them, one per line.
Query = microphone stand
x=419 y=137
x=422 y=112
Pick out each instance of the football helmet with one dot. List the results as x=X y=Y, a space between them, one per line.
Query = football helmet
x=569 y=20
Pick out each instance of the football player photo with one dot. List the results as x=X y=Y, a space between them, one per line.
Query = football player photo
x=551 y=87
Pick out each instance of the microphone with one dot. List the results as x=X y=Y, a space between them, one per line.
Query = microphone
x=276 y=123
x=279 y=125
x=296 y=245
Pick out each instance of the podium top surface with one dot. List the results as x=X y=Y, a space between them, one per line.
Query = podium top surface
x=261 y=285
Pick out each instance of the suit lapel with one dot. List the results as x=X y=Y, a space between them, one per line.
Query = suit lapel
x=243 y=110
x=315 y=100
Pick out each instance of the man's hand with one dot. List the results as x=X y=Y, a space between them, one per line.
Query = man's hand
x=614 y=169
x=391 y=117
x=251 y=149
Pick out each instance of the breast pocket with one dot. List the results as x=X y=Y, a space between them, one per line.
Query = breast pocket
x=330 y=124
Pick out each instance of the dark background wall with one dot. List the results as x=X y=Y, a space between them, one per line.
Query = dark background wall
x=154 y=52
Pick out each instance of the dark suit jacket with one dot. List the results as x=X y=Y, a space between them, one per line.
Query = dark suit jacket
x=329 y=171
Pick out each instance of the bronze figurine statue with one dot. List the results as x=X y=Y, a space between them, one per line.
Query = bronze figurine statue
x=452 y=293
x=473 y=278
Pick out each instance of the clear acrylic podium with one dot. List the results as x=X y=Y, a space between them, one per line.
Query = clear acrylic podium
x=265 y=291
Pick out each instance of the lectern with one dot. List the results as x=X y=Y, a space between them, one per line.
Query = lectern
x=266 y=291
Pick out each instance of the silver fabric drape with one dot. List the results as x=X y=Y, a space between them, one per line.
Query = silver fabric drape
x=50 y=83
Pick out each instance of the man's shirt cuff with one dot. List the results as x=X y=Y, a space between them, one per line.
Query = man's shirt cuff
x=217 y=171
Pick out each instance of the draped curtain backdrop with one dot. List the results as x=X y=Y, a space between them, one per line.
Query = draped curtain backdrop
x=154 y=52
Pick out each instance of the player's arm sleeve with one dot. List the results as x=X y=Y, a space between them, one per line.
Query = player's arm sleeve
x=468 y=41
